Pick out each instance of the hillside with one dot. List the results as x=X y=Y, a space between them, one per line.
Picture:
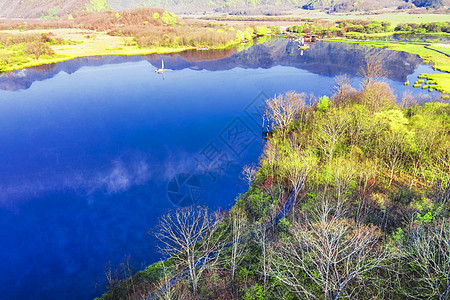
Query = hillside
x=59 y=8
x=48 y=8
x=259 y=6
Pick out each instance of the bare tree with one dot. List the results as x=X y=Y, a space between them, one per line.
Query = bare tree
x=393 y=152
x=329 y=133
x=270 y=156
x=372 y=71
x=190 y=236
x=122 y=276
x=423 y=143
x=112 y=276
x=340 y=175
x=407 y=100
x=442 y=191
x=249 y=174
x=327 y=252
x=261 y=235
x=238 y=220
x=441 y=164
x=128 y=273
x=282 y=110
x=342 y=89
x=166 y=289
x=295 y=165
x=429 y=254
x=262 y=240
x=366 y=172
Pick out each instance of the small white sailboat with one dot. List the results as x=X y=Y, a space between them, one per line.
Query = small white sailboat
x=161 y=70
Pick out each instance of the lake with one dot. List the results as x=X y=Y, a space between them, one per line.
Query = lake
x=93 y=150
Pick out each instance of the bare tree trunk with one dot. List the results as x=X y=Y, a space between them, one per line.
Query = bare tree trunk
x=190 y=237
x=239 y=225
x=330 y=251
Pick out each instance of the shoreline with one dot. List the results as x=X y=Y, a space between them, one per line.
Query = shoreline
x=38 y=63
x=88 y=43
x=43 y=62
x=101 y=44
x=438 y=57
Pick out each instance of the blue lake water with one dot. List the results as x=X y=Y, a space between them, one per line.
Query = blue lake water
x=93 y=150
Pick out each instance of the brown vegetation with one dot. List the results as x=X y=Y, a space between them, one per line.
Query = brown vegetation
x=195 y=36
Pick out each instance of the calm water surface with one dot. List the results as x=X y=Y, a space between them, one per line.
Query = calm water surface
x=93 y=150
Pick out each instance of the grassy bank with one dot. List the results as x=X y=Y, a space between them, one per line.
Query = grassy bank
x=441 y=62
x=75 y=43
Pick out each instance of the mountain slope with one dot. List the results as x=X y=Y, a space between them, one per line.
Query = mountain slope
x=267 y=5
x=37 y=8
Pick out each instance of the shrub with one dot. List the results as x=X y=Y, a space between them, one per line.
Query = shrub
x=97 y=5
x=263 y=30
x=378 y=96
x=37 y=48
x=323 y=103
x=168 y=18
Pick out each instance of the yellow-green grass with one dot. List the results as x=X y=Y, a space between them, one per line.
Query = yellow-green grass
x=442 y=81
x=441 y=62
x=85 y=43
x=360 y=35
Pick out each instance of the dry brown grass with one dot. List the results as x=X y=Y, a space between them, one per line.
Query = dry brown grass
x=155 y=36
x=13 y=39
